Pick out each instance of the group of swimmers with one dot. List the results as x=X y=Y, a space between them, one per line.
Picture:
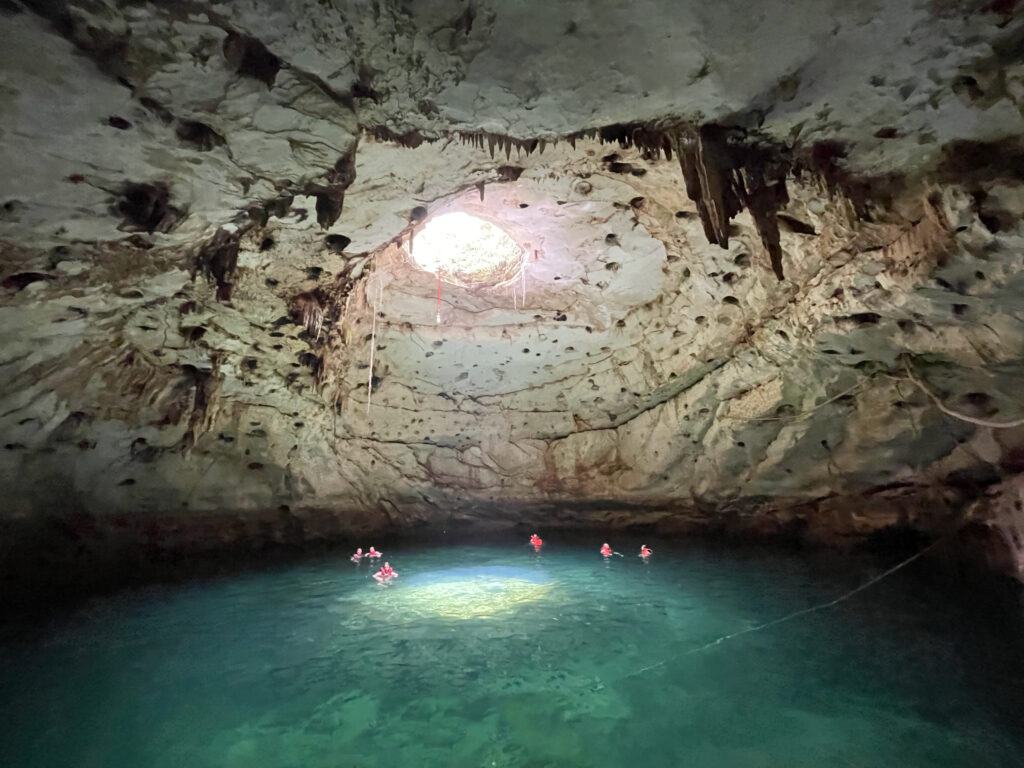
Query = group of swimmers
x=387 y=573
x=606 y=551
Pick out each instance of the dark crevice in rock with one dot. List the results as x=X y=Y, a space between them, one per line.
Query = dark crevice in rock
x=337 y=243
x=161 y=112
x=18 y=281
x=199 y=135
x=793 y=224
x=363 y=88
x=146 y=207
x=279 y=206
x=249 y=57
x=330 y=192
x=509 y=172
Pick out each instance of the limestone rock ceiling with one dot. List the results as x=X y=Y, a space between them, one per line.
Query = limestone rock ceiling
x=207 y=211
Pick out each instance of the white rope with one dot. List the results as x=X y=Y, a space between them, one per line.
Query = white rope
x=795 y=614
x=956 y=414
x=819 y=607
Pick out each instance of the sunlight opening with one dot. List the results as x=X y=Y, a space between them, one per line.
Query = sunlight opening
x=466 y=250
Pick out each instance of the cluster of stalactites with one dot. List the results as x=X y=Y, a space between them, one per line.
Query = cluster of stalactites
x=723 y=174
x=653 y=142
x=723 y=178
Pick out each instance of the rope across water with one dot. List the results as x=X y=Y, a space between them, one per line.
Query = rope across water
x=801 y=612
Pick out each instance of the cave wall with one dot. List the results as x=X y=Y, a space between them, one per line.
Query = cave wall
x=204 y=208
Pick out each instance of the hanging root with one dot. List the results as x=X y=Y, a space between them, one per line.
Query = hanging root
x=309 y=311
x=313 y=319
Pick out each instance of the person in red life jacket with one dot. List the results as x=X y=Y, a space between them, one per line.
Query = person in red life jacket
x=645 y=551
x=357 y=556
x=606 y=551
x=536 y=541
x=385 y=574
x=372 y=553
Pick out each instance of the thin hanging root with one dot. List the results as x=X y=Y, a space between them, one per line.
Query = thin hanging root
x=313 y=318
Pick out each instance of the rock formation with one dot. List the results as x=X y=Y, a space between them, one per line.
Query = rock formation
x=772 y=261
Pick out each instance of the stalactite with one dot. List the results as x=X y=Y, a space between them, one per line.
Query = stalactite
x=373 y=344
x=765 y=197
x=217 y=260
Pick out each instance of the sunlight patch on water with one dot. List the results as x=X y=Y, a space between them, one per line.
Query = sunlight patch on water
x=465 y=593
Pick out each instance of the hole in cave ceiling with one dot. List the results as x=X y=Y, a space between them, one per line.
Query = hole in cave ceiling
x=466 y=250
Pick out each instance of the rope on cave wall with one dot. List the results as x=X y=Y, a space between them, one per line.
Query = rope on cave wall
x=956 y=414
x=803 y=415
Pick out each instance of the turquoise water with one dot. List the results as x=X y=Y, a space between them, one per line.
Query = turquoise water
x=496 y=656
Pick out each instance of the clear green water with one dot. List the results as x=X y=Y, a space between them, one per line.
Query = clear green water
x=558 y=659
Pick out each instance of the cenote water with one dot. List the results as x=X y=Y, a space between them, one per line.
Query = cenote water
x=496 y=656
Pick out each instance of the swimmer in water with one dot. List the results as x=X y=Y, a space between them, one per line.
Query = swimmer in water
x=385 y=574
x=645 y=551
x=606 y=550
x=372 y=553
x=357 y=556
x=536 y=541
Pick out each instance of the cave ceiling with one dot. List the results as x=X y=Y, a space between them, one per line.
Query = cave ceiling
x=759 y=242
